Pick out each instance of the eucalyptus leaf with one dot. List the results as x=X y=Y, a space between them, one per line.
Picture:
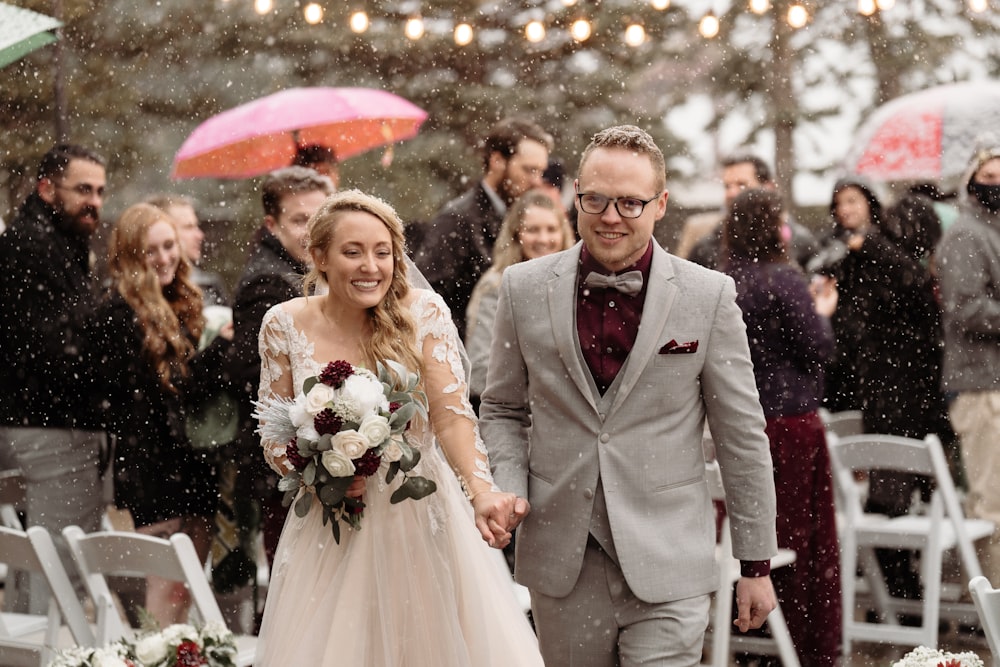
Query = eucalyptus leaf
x=303 y=504
x=410 y=458
x=290 y=482
x=325 y=443
x=391 y=473
x=309 y=383
x=309 y=474
x=413 y=488
x=335 y=527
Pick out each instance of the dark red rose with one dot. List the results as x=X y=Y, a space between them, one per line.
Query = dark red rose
x=189 y=655
x=296 y=459
x=367 y=464
x=335 y=373
x=327 y=422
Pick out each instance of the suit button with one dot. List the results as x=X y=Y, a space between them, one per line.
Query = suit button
x=605 y=437
x=588 y=494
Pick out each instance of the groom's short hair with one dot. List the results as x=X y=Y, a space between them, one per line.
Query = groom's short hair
x=629 y=137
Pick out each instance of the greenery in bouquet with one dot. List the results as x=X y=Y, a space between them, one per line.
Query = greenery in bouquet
x=347 y=422
x=179 y=645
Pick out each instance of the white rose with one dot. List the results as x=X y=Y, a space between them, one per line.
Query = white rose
x=337 y=464
x=104 y=657
x=350 y=443
x=297 y=413
x=375 y=428
x=367 y=394
x=393 y=451
x=152 y=649
x=318 y=398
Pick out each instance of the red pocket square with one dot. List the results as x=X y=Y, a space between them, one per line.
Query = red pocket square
x=673 y=347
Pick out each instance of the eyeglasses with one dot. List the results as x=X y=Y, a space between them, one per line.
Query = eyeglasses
x=627 y=207
x=83 y=189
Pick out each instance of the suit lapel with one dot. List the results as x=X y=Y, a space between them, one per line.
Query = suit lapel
x=660 y=294
x=561 y=295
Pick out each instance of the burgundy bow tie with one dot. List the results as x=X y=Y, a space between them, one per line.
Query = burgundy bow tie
x=629 y=282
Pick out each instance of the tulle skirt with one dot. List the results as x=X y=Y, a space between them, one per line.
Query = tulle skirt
x=416 y=586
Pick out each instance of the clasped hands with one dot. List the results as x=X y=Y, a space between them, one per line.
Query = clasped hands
x=497 y=515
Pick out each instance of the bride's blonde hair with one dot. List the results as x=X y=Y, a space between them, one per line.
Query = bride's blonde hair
x=394 y=333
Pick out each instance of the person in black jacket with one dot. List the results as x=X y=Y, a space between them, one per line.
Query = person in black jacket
x=456 y=247
x=145 y=347
x=273 y=274
x=49 y=421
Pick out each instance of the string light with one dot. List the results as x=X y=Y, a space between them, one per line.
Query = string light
x=414 y=28
x=263 y=6
x=580 y=30
x=313 y=13
x=464 y=34
x=534 y=31
x=797 y=16
x=979 y=6
x=659 y=5
x=866 y=7
x=759 y=6
x=359 y=22
x=708 y=26
x=635 y=35
x=884 y=5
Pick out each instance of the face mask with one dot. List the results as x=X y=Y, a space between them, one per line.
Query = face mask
x=988 y=195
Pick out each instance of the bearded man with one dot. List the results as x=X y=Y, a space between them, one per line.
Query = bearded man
x=50 y=424
x=457 y=244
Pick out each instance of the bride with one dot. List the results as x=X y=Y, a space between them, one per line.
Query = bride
x=417 y=585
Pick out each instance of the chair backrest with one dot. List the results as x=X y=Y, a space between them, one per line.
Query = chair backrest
x=34 y=551
x=844 y=423
x=126 y=554
x=924 y=457
x=12 y=492
x=987 y=601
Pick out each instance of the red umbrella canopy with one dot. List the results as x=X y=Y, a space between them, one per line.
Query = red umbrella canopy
x=260 y=136
x=927 y=135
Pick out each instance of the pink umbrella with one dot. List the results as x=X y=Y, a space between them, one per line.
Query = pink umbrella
x=927 y=135
x=260 y=136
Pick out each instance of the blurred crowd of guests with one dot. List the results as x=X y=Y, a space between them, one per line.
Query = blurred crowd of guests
x=891 y=310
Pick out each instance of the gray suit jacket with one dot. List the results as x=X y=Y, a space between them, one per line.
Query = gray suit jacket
x=551 y=437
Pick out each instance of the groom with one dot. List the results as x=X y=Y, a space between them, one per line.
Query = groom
x=606 y=360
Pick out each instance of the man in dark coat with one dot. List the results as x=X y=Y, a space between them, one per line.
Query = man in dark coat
x=273 y=274
x=50 y=425
x=457 y=245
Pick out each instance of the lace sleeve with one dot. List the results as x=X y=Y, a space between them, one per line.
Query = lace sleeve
x=452 y=417
x=275 y=379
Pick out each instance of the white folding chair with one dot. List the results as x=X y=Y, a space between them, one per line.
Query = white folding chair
x=126 y=554
x=21 y=635
x=722 y=637
x=942 y=527
x=844 y=423
x=987 y=601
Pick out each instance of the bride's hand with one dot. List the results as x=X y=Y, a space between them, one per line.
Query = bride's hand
x=357 y=487
x=497 y=514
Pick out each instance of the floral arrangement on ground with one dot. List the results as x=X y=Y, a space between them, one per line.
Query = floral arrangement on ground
x=923 y=656
x=347 y=422
x=180 y=645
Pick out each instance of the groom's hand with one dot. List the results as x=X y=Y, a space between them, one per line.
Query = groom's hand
x=754 y=601
x=521 y=509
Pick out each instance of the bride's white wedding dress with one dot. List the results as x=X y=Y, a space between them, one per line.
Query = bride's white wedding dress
x=416 y=586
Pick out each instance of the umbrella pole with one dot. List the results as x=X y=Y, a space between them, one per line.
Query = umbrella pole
x=58 y=90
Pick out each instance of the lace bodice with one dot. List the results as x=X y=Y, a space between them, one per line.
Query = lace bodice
x=287 y=359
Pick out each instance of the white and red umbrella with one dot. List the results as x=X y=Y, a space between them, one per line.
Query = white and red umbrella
x=925 y=136
x=263 y=135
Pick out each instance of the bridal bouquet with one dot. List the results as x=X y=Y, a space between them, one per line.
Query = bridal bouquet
x=923 y=656
x=347 y=422
x=178 y=645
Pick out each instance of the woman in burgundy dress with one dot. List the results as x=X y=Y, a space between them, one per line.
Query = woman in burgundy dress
x=790 y=339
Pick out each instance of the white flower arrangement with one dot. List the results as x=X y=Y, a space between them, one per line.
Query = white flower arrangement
x=923 y=656
x=179 y=645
